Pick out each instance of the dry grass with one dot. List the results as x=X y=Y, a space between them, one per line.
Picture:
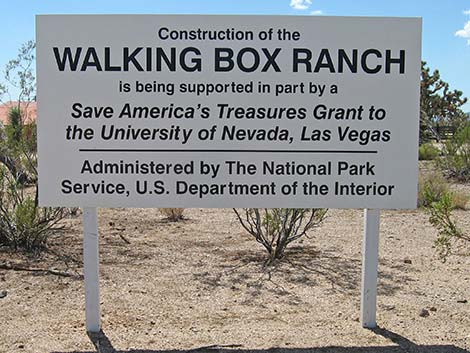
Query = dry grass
x=172 y=214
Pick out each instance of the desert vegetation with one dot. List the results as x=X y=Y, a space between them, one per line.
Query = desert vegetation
x=173 y=214
x=276 y=228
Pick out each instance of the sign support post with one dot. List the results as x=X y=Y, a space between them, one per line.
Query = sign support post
x=370 y=262
x=91 y=269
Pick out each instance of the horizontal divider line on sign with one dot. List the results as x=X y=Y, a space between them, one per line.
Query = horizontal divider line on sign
x=222 y=151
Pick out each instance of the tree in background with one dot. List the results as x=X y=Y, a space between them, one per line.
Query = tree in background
x=20 y=76
x=439 y=105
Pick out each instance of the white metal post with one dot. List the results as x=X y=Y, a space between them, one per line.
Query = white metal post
x=370 y=263
x=91 y=269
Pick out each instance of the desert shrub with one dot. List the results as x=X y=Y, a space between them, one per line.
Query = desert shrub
x=459 y=200
x=448 y=231
x=428 y=151
x=276 y=228
x=172 y=214
x=432 y=187
x=455 y=160
x=24 y=225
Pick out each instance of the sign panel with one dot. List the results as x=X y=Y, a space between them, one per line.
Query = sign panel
x=228 y=111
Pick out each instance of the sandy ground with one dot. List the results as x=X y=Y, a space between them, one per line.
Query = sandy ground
x=200 y=285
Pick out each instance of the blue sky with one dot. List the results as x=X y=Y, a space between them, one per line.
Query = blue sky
x=446 y=24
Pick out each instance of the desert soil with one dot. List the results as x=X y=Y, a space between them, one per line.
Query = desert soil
x=200 y=285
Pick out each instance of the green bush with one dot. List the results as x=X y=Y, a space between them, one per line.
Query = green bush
x=14 y=127
x=448 y=231
x=432 y=187
x=437 y=198
x=428 y=152
x=455 y=161
x=18 y=151
x=24 y=225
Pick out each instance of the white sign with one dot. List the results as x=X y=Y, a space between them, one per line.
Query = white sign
x=228 y=111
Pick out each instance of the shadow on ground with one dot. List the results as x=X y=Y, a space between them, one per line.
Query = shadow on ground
x=302 y=266
x=399 y=344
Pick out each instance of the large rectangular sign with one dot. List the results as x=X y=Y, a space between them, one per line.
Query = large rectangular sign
x=228 y=111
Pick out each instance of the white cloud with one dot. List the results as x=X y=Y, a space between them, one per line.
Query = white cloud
x=466 y=12
x=316 y=13
x=300 y=4
x=465 y=32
